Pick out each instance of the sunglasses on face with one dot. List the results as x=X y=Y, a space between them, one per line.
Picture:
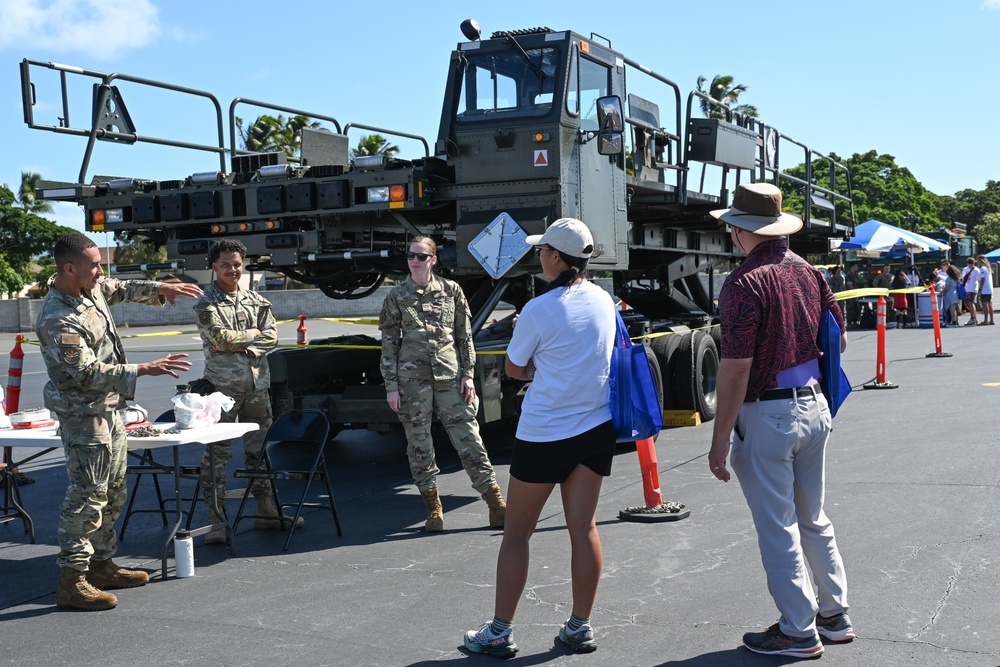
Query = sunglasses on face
x=540 y=248
x=422 y=256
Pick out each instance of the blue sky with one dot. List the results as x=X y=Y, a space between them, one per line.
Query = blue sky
x=911 y=78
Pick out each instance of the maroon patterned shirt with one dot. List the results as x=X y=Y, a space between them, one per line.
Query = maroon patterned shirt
x=770 y=309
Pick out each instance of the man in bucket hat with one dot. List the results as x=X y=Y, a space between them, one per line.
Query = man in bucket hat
x=769 y=397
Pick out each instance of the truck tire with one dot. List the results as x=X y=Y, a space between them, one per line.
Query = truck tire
x=683 y=367
x=716 y=331
x=705 y=370
x=664 y=348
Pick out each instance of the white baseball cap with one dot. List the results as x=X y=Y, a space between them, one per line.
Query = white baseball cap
x=567 y=235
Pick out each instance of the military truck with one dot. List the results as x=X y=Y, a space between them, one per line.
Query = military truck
x=535 y=125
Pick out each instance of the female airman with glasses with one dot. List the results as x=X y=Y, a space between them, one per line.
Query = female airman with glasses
x=428 y=362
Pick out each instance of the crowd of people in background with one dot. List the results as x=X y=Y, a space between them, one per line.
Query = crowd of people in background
x=968 y=290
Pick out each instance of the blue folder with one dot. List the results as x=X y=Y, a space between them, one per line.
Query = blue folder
x=833 y=382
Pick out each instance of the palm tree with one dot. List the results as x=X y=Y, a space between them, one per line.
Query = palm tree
x=725 y=93
x=26 y=195
x=374 y=144
x=268 y=134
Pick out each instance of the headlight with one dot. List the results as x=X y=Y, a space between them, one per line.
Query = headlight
x=115 y=215
x=378 y=194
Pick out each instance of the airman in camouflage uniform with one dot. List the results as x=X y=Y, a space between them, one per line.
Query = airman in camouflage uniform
x=237 y=331
x=89 y=380
x=428 y=362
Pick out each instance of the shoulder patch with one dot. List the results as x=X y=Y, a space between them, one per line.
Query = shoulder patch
x=69 y=339
x=205 y=317
x=71 y=355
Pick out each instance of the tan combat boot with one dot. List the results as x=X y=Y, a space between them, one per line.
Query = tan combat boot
x=75 y=593
x=217 y=536
x=274 y=521
x=105 y=575
x=435 y=514
x=498 y=508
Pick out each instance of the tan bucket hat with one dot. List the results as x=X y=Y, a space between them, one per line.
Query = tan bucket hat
x=757 y=208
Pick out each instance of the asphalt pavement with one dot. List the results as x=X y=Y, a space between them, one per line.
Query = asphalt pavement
x=912 y=489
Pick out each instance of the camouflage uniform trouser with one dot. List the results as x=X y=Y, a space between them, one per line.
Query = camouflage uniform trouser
x=252 y=408
x=418 y=400
x=96 y=453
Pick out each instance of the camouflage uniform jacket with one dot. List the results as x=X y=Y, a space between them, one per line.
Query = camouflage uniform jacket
x=426 y=333
x=81 y=348
x=235 y=362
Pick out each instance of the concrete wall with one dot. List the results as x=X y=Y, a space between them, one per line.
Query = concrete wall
x=18 y=315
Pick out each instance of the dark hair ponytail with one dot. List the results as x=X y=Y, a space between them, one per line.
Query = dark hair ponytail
x=577 y=271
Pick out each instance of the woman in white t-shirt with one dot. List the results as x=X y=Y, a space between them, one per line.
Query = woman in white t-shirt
x=985 y=288
x=970 y=280
x=562 y=344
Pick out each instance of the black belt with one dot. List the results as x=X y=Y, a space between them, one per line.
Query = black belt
x=804 y=393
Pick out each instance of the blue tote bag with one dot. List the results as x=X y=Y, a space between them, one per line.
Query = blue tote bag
x=635 y=408
x=833 y=382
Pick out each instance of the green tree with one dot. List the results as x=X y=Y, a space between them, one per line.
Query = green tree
x=881 y=189
x=988 y=233
x=725 y=93
x=26 y=198
x=268 y=134
x=139 y=250
x=971 y=206
x=11 y=281
x=374 y=144
x=24 y=236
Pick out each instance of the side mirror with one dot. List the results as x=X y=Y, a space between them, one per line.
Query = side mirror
x=609 y=119
x=609 y=114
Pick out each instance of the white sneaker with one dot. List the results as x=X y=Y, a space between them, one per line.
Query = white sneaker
x=484 y=641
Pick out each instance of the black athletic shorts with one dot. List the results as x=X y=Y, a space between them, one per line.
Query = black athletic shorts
x=552 y=462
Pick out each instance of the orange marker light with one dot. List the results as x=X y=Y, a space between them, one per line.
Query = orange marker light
x=244 y=227
x=97 y=217
x=270 y=224
x=217 y=229
x=397 y=193
x=585 y=47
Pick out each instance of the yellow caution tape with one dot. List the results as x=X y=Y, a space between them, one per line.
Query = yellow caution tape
x=160 y=333
x=370 y=321
x=876 y=291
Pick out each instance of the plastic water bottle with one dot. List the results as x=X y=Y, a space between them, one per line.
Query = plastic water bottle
x=184 y=554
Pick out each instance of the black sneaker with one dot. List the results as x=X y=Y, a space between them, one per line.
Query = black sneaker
x=836 y=628
x=484 y=641
x=775 y=642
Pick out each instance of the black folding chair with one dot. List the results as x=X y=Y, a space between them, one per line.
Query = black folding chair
x=292 y=458
x=149 y=466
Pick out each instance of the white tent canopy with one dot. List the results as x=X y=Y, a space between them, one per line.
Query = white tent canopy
x=872 y=238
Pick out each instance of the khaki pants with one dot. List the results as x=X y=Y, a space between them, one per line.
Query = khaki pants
x=779 y=456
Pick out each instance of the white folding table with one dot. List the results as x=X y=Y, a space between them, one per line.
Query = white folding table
x=48 y=439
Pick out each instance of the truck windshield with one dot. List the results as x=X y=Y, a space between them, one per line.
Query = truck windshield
x=502 y=84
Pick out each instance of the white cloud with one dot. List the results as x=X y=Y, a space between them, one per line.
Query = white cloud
x=100 y=29
x=182 y=36
x=991 y=4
